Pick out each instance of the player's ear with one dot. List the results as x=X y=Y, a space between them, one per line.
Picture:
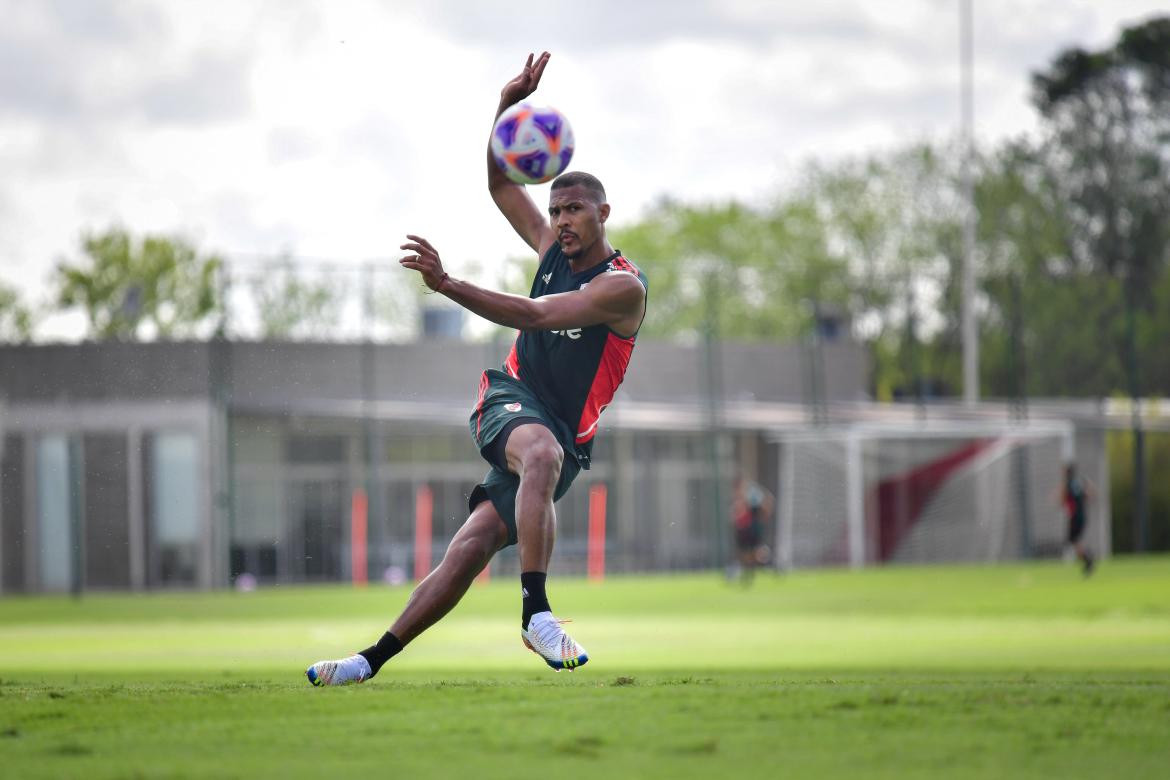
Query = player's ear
x=603 y=211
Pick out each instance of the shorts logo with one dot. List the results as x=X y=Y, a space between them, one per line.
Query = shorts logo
x=512 y=407
x=547 y=277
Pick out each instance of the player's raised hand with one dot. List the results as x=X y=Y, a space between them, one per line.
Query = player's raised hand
x=425 y=260
x=525 y=84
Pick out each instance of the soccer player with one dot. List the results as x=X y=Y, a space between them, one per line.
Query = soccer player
x=1075 y=494
x=534 y=421
x=751 y=506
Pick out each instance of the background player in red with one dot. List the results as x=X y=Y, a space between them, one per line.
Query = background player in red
x=751 y=509
x=534 y=422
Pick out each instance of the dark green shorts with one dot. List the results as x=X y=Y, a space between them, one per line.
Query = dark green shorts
x=503 y=403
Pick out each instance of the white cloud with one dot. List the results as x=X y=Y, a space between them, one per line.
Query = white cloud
x=330 y=129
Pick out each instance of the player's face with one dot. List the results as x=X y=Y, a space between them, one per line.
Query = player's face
x=577 y=219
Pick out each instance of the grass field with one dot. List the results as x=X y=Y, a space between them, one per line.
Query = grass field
x=1015 y=670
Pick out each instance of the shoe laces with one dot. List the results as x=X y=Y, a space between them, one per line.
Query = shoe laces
x=549 y=632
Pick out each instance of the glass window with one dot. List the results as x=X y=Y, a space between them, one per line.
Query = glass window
x=54 y=534
x=174 y=474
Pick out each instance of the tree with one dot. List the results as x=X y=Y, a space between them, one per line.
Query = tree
x=291 y=305
x=893 y=217
x=1044 y=310
x=759 y=262
x=133 y=288
x=1108 y=116
x=16 y=320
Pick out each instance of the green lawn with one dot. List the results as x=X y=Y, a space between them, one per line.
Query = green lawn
x=1020 y=670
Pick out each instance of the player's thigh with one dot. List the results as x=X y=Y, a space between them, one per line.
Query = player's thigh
x=483 y=531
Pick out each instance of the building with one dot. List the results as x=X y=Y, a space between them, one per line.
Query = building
x=186 y=464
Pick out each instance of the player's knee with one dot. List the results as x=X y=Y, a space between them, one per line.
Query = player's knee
x=542 y=462
x=471 y=551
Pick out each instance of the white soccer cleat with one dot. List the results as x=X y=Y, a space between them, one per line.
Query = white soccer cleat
x=354 y=669
x=546 y=638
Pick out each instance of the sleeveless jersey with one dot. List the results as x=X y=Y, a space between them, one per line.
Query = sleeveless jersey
x=574 y=372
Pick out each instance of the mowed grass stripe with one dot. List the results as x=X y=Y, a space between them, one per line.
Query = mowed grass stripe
x=614 y=643
x=937 y=617
x=1130 y=586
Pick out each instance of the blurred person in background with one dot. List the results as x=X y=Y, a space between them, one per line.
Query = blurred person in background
x=1074 y=496
x=751 y=508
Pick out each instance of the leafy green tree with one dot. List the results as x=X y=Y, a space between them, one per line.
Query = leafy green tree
x=134 y=288
x=760 y=263
x=1108 y=115
x=894 y=218
x=1045 y=310
x=16 y=320
x=293 y=305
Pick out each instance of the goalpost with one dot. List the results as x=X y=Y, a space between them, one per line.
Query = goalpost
x=940 y=491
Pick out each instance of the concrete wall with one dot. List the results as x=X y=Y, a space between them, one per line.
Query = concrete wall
x=279 y=373
x=103 y=371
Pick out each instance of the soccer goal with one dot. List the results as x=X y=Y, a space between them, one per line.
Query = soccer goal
x=924 y=492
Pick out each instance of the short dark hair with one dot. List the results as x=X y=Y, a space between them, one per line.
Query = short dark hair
x=580 y=178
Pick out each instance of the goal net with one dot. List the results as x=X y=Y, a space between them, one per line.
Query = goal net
x=920 y=493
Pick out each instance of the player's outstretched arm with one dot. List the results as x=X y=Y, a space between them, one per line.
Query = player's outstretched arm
x=511 y=198
x=616 y=299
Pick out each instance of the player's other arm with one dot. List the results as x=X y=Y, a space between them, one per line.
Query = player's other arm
x=512 y=199
x=616 y=299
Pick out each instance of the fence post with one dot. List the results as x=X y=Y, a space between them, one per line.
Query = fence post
x=854 y=491
x=358 y=523
x=596 y=549
x=424 y=504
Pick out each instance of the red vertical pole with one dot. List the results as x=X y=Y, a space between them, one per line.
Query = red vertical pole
x=424 y=505
x=358 y=523
x=596 y=548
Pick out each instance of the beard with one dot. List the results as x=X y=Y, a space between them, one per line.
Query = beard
x=578 y=250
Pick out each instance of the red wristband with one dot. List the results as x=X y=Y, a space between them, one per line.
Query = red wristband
x=443 y=278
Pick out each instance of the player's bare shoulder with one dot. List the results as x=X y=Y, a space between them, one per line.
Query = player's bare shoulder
x=626 y=277
x=621 y=290
x=620 y=285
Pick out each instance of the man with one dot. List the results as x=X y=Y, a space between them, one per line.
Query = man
x=533 y=422
x=1075 y=494
x=751 y=506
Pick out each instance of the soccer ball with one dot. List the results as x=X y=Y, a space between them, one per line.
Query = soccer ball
x=532 y=144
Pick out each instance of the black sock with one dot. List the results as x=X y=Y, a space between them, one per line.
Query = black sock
x=386 y=648
x=532 y=585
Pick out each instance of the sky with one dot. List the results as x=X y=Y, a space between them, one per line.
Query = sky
x=327 y=129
